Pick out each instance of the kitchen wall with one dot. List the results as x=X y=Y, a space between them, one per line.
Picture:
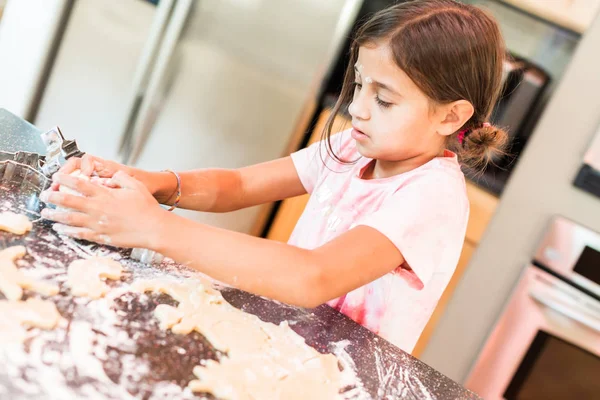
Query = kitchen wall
x=540 y=186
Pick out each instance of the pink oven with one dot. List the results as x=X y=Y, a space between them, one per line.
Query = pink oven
x=546 y=343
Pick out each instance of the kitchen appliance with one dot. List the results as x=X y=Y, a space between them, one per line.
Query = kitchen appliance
x=588 y=176
x=186 y=84
x=546 y=343
x=517 y=111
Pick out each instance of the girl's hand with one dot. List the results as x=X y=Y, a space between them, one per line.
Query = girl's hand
x=88 y=165
x=124 y=216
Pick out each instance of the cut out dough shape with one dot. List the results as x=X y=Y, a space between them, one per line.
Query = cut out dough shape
x=14 y=223
x=16 y=315
x=259 y=376
x=84 y=277
x=264 y=360
x=13 y=280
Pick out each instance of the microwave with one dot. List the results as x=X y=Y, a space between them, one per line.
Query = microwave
x=517 y=111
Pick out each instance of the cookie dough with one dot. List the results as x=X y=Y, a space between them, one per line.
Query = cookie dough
x=85 y=277
x=14 y=223
x=259 y=376
x=18 y=315
x=13 y=280
x=264 y=361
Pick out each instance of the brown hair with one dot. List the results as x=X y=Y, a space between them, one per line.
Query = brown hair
x=424 y=35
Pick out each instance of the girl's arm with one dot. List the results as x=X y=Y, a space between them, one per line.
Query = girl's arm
x=223 y=190
x=276 y=270
x=129 y=217
x=212 y=190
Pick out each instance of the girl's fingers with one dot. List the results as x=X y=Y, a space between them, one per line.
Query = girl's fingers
x=82 y=186
x=71 y=218
x=71 y=165
x=88 y=165
x=121 y=179
x=104 y=182
x=73 y=231
x=81 y=233
x=103 y=170
x=73 y=202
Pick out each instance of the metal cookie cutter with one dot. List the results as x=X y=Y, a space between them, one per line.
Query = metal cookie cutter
x=57 y=146
x=147 y=256
x=28 y=173
x=33 y=169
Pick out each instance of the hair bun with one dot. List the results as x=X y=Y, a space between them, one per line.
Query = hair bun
x=483 y=145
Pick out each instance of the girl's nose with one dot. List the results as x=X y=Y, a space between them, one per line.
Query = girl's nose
x=359 y=108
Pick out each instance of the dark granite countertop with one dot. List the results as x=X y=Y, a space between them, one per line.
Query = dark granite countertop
x=128 y=356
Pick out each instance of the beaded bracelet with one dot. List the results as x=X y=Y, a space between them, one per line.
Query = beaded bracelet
x=178 y=197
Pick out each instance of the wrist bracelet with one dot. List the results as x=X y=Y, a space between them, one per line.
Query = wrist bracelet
x=178 y=196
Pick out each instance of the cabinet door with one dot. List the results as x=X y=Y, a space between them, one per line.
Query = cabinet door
x=483 y=207
x=463 y=262
x=291 y=209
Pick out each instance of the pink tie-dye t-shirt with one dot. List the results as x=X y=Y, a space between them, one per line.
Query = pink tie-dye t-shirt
x=423 y=212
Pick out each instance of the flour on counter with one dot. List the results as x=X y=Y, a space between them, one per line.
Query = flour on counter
x=349 y=372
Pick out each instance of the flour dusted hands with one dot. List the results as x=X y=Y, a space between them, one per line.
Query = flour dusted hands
x=121 y=213
x=102 y=170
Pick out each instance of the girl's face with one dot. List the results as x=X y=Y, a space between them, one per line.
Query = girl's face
x=393 y=119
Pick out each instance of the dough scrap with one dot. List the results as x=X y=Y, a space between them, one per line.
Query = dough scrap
x=167 y=316
x=17 y=315
x=14 y=223
x=84 y=277
x=264 y=360
x=13 y=280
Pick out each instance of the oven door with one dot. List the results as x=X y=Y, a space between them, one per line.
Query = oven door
x=546 y=344
x=553 y=368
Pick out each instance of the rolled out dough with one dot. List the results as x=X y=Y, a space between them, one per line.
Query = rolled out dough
x=13 y=280
x=84 y=277
x=14 y=223
x=264 y=360
x=17 y=315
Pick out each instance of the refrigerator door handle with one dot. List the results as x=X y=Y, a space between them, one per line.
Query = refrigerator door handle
x=163 y=71
x=144 y=69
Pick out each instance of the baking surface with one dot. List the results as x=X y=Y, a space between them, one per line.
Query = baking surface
x=112 y=348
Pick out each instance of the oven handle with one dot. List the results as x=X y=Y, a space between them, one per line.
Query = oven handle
x=552 y=303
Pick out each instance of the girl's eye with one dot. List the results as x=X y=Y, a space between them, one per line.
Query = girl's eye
x=382 y=104
x=357 y=85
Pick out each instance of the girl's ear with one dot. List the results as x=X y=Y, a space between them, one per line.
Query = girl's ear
x=454 y=116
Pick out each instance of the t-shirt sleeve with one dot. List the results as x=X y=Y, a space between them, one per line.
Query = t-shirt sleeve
x=313 y=161
x=426 y=221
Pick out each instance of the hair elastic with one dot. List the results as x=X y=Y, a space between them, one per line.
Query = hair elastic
x=463 y=132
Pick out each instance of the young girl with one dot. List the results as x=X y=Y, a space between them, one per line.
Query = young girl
x=383 y=230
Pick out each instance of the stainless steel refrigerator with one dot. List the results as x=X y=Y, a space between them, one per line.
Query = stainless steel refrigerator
x=186 y=84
